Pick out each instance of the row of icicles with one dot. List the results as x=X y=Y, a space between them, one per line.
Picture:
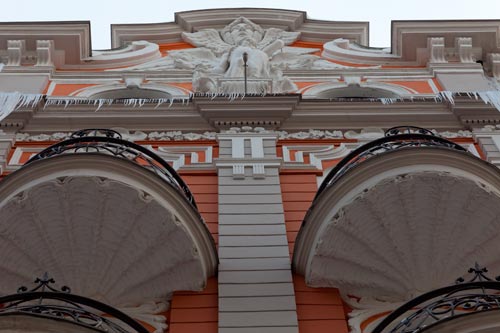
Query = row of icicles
x=11 y=101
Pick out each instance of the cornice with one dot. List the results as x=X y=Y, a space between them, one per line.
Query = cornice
x=191 y=21
x=408 y=36
x=73 y=38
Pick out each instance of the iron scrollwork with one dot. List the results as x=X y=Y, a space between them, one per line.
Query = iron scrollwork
x=479 y=294
x=110 y=142
x=395 y=138
x=47 y=302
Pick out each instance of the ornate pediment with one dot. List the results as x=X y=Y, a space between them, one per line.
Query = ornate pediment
x=241 y=58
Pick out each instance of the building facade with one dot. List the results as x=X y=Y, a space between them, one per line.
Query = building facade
x=250 y=170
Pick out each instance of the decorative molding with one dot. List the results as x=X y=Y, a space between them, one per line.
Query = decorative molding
x=198 y=155
x=312 y=134
x=21 y=155
x=135 y=53
x=365 y=309
x=293 y=155
x=366 y=134
x=344 y=50
x=150 y=314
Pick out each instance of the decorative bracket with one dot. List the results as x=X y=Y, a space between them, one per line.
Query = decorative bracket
x=15 y=52
x=495 y=65
x=464 y=48
x=436 y=49
x=45 y=53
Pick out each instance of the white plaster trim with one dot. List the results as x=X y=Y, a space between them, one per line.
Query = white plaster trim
x=257 y=147
x=238 y=147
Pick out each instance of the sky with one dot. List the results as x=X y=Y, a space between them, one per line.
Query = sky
x=103 y=13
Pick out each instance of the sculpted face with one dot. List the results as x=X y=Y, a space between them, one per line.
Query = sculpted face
x=242 y=33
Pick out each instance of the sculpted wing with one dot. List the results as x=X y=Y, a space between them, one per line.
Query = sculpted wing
x=209 y=38
x=273 y=34
x=188 y=59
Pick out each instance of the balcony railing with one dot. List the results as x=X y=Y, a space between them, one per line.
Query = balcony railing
x=46 y=302
x=395 y=138
x=477 y=295
x=109 y=142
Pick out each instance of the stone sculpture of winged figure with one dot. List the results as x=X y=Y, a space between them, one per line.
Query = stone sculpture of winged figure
x=218 y=62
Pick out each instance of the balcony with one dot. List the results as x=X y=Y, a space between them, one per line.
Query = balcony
x=399 y=217
x=395 y=138
x=107 y=217
x=47 y=309
x=110 y=142
x=466 y=306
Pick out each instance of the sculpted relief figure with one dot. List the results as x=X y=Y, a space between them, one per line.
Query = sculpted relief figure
x=218 y=62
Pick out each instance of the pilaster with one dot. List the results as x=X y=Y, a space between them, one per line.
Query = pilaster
x=6 y=142
x=255 y=282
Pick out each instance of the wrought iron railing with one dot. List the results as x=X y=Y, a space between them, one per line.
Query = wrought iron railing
x=46 y=302
x=477 y=295
x=395 y=138
x=109 y=142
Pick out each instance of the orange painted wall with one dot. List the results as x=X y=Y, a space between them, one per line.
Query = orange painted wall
x=204 y=187
x=422 y=87
x=199 y=311
x=67 y=89
x=192 y=312
x=297 y=191
x=318 y=309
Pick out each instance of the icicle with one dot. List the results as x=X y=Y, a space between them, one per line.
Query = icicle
x=491 y=97
x=448 y=96
x=8 y=102
x=11 y=101
x=160 y=102
x=101 y=103
x=389 y=100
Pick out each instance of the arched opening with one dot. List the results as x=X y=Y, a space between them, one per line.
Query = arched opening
x=133 y=92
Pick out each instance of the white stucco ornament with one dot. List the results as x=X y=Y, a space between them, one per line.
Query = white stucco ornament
x=218 y=61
